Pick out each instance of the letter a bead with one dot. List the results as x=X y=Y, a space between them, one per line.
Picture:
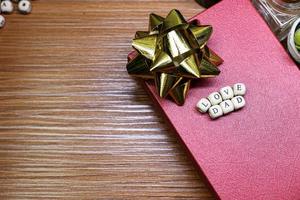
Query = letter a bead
x=7 y=6
x=239 y=89
x=215 y=111
x=215 y=98
x=238 y=102
x=227 y=106
x=226 y=93
x=203 y=105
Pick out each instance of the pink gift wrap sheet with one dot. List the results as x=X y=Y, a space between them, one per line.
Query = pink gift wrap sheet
x=253 y=153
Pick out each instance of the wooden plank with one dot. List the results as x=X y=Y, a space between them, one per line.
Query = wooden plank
x=73 y=124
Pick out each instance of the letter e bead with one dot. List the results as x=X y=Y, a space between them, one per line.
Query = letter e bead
x=238 y=102
x=215 y=111
x=215 y=98
x=239 y=89
x=203 y=105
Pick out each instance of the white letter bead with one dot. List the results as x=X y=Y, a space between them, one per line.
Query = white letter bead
x=239 y=89
x=215 y=111
x=2 y=21
x=25 y=6
x=7 y=6
x=226 y=93
x=238 y=102
x=203 y=105
x=215 y=98
x=227 y=106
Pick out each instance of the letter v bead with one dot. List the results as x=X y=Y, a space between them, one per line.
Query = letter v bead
x=226 y=93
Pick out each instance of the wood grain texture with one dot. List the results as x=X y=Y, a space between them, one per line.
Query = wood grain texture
x=73 y=124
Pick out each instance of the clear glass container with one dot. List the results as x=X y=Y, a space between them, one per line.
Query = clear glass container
x=279 y=14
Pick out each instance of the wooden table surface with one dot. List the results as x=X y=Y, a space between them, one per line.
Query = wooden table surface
x=73 y=124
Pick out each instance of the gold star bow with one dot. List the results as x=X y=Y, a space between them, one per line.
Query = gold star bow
x=173 y=53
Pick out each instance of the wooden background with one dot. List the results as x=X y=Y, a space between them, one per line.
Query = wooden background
x=73 y=124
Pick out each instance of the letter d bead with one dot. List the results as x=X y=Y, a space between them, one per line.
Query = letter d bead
x=238 y=102
x=215 y=111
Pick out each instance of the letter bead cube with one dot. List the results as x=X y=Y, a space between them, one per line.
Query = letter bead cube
x=227 y=106
x=215 y=111
x=24 y=6
x=238 y=102
x=215 y=98
x=7 y=6
x=203 y=105
x=226 y=93
x=239 y=89
x=2 y=21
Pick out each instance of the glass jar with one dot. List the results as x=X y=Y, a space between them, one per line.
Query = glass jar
x=279 y=14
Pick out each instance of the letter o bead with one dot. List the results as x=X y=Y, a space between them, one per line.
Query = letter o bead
x=215 y=98
x=203 y=105
x=215 y=111
x=24 y=7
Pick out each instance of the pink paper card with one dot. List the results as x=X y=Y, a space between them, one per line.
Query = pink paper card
x=253 y=153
